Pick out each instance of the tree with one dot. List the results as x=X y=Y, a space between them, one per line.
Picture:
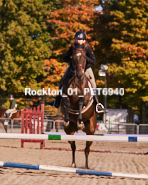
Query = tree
x=64 y=22
x=123 y=33
x=24 y=44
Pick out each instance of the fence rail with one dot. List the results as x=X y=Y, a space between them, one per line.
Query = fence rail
x=46 y=123
x=114 y=127
x=128 y=128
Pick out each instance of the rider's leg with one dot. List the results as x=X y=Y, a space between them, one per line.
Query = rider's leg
x=8 y=112
x=90 y=76
x=57 y=100
x=6 y=115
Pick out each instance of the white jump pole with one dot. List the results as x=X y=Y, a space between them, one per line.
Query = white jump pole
x=75 y=137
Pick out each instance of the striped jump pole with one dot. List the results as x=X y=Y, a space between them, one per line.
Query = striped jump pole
x=74 y=137
x=71 y=170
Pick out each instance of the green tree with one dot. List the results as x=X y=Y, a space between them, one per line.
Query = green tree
x=123 y=46
x=24 y=44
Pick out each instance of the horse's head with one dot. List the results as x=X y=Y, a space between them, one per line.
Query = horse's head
x=79 y=61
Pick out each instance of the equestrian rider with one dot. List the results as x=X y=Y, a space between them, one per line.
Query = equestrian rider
x=80 y=42
x=12 y=107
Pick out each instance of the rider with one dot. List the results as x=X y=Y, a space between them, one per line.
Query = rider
x=80 y=41
x=12 y=107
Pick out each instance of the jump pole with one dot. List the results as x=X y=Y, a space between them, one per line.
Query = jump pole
x=74 y=137
x=71 y=170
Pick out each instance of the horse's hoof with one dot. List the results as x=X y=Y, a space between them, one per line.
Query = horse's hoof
x=73 y=165
x=66 y=124
x=80 y=125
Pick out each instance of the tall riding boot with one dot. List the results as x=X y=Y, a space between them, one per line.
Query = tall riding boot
x=6 y=115
x=56 y=102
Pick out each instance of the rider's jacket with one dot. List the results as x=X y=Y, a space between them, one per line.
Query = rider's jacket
x=12 y=104
x=90 y=57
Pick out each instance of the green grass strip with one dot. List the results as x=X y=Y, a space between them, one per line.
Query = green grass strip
x=54 y=137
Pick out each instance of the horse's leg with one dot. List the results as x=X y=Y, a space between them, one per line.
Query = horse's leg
x=80 y=124
x=90 y=127
x=70 y=131
x=73 y=147
x=5 y=127
x=66 y=119
x=57 y=126
x=87 y=150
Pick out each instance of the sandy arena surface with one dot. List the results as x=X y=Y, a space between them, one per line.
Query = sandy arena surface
x=10 y=151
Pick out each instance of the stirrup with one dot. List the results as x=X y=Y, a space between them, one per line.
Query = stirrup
x=100 y=107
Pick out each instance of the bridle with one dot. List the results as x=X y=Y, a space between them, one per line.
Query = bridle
x=79 y=65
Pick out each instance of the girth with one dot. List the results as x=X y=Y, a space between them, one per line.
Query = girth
x=85 y=108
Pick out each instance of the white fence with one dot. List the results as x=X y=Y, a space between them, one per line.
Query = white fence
x=47 y=123
x=114 y=127
x=127 y=128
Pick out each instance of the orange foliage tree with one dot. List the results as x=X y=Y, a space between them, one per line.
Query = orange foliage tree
x=63 y=23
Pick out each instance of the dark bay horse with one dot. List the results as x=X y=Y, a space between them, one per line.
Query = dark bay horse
x=16 y=114
x=78 y=108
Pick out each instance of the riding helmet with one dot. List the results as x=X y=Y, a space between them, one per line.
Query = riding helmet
x=80 y=35
x=11 y=96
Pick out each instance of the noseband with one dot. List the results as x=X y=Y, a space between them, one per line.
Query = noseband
x=79 y=65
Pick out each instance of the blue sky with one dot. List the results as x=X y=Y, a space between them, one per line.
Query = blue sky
x=99 y=8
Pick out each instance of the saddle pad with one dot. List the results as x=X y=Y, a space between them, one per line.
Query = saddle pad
x=12 y=113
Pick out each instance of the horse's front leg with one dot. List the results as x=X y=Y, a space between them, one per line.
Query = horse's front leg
x=87 y=150
x=66 y=119
x=73 y=147
x=80 y=124
x=5 y=127
x=5 y=124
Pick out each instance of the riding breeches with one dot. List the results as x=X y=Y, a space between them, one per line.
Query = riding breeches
x=90 y=76
x=10 y=110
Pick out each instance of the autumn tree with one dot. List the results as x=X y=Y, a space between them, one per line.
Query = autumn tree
x=73 y=15
x=123 y=45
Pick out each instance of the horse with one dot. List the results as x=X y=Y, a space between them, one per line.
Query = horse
x=16 y=114
x=78 y=108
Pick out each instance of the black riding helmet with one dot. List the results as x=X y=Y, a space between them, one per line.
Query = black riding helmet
x=11 y=96
x=80 y=35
